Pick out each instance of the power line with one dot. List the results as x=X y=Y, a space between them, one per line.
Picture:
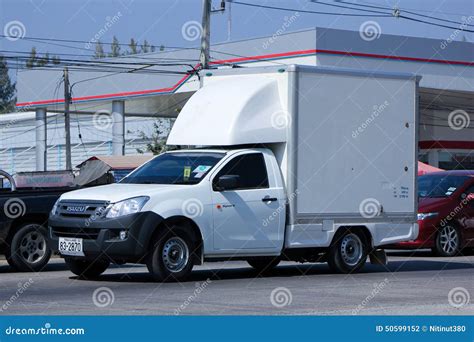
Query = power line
x=306 y=11
x=408 y=11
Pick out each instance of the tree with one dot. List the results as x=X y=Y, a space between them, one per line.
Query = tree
x=42 y=61
x=115 y=48
x=145 y=47
x=156 y=143
x=56 y=60
x=7 y=89
x=99 y=50
x=31 y=61
x=133 y=47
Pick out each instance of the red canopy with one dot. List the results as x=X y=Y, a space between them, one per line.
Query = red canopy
x=425 y=168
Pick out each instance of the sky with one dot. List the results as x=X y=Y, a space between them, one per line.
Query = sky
x=163 y=22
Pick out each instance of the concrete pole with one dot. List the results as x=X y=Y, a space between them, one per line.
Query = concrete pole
x=205 y=34
x=118 y=128
x=41 y=135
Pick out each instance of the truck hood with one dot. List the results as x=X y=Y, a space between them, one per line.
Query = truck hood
x=118 y=192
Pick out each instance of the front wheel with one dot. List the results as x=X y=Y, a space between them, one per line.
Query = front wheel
x=172 y=256
x=448 y=242
x=348 y=252
x=28 y=250
x=87 y=269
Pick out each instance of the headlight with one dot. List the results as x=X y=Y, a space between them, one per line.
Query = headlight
x=55 y=207
x=127 y=207
x=424 y=216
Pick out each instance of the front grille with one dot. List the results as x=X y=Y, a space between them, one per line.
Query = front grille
x=82 y=209
x=86 y=233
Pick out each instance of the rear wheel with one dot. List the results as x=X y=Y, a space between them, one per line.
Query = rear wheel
x=448 y=242
x=87 y=269
x=348 y=252
x=28 y=250
x=172 y=256
x=264 y=264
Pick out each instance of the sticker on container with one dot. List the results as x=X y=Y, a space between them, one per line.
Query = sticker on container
x=201 y=168
x=187 y=172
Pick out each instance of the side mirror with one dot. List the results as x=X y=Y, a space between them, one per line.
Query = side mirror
x=228 y=182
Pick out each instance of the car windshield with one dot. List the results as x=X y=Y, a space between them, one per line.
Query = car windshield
x=175 y=168
x=439 y=185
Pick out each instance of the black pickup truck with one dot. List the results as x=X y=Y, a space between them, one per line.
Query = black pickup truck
x=23 y=224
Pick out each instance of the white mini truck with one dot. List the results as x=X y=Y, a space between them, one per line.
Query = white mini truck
x=281 y=163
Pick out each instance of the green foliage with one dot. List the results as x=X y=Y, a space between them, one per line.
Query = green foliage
x=7 y=89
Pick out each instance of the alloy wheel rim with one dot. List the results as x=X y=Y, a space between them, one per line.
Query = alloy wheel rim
x=175 y=254
x=32 y=247
x=448 y=239
x=351 y=249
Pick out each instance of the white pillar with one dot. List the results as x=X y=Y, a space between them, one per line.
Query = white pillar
x=118 y=128
x=41 y=135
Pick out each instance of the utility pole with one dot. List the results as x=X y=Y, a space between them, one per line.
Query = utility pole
x=206 y=32
x=67 y=120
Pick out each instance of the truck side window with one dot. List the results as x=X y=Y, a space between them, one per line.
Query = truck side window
x=250 y=168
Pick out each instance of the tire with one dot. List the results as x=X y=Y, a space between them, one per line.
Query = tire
x=348 y=252
x=171 y=258
x=264 y=264
x=28 y=250
x=447 y=242
x=87 y=269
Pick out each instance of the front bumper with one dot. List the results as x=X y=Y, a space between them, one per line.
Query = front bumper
x=101 y=236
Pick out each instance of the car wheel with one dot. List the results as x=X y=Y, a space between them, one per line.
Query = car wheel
x=28 y=250
x=264 y=264
x=87 y=269
x=448 y=241
x=171 y=257
x=348 y=252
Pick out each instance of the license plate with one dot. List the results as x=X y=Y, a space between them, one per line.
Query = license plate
x=70 y=246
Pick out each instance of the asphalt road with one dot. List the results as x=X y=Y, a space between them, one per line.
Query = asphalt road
x=419 y=285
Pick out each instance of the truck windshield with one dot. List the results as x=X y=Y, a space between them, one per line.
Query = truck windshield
x=439 y=185
x=175 y=168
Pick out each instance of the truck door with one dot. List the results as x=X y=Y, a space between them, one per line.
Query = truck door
x=251 y=215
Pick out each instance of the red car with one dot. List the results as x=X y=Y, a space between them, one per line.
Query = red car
x=445 y=213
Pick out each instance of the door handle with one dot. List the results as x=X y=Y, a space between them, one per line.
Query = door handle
x=269 y=199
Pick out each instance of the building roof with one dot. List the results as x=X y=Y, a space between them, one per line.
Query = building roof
x=121 y=162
